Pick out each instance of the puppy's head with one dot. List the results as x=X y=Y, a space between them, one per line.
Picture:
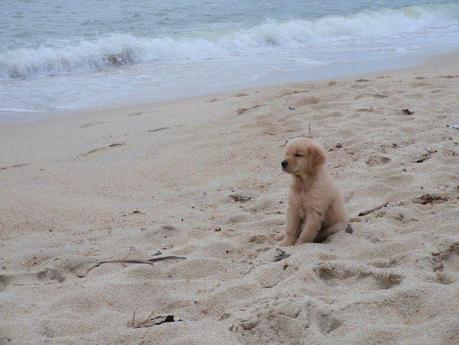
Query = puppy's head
x=303 y=157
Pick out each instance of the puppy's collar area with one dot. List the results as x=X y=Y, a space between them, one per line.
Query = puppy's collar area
x=303 y=183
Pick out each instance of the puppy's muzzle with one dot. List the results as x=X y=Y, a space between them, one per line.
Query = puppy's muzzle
x=284 y=164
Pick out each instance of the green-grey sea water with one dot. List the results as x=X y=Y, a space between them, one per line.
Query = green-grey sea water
x=76 y=54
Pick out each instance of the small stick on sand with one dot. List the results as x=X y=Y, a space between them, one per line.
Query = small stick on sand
x=371 y=210
x=132 y=322
x=127 y=261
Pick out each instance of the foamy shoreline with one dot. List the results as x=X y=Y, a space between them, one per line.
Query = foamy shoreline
x=318 y=74
x=200 y=178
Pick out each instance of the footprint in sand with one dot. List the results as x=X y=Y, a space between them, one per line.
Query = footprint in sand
x=445 y=263
x=50 y=274
x=53 y=271
x=398 y=180
x=290 y=124
x=377 y=160
x=4 y=281
x=307 y=100
x=268 y=276
x=449 y=156
x=238 y=218
x=267 y=320
x=448 y=254
x=217 y=248
x=160 y=232
x=284 y=320
x=352 y=277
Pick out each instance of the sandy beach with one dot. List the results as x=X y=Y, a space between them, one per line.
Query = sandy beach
x=200 y=179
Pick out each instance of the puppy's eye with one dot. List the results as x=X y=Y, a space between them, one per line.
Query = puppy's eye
x=298 y=155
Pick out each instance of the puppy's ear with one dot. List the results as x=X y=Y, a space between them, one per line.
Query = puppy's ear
x=316 y=158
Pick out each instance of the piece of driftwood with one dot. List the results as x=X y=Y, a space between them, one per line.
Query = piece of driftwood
x=130 y=261
x=371 y=210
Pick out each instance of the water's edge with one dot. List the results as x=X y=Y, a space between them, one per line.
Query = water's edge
x=319 y=74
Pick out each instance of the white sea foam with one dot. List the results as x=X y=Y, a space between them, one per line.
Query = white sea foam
x=17 y=110
x=124 y=49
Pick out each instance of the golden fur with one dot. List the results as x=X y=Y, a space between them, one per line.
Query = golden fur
x=315 y=207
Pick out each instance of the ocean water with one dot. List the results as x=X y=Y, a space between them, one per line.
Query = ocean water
x=80 y=54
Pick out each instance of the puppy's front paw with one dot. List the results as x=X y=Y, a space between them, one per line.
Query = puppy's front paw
x=287 y=242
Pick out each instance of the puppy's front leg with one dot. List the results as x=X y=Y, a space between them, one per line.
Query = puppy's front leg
x=311 y=228
x=293 y=226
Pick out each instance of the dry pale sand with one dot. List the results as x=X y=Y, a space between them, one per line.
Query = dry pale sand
x=201 y=178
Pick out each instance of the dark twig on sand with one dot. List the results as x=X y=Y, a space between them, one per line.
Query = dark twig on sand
x=157 y=129
x=130 y=261
x=430 y=199
x=371 y=210
x=152 y=320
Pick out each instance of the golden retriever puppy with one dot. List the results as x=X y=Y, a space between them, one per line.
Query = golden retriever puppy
x=315 y=207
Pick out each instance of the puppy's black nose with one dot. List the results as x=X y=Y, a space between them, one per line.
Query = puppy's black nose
x=284 y=164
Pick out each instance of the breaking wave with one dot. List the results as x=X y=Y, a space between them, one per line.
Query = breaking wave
x=124 y=49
